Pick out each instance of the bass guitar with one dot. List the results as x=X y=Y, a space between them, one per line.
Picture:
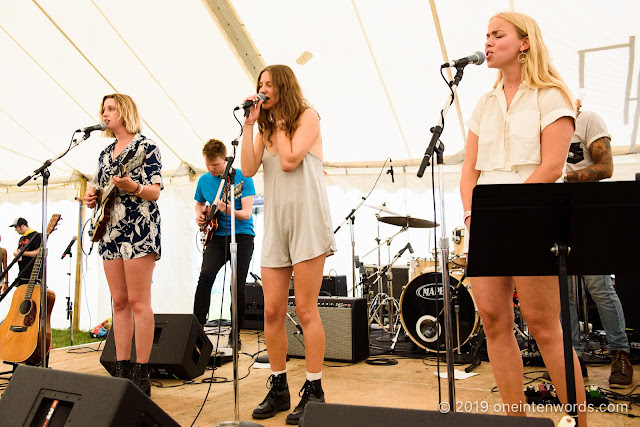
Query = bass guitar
x=20 y=334
x=212 y=213
x=102 y=212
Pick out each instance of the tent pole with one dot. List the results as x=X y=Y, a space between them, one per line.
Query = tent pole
x=78 y=287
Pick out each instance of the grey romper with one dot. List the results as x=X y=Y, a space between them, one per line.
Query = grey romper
x=297 y=223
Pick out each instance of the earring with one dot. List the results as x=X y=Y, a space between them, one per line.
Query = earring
x=522 y=58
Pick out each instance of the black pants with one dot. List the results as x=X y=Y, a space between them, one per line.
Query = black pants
x=215 y=256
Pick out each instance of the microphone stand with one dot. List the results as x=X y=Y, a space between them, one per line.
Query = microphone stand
x=234 y=283
x=44 y=172
x=69 y=302
x=352 y=218
x=438 y=147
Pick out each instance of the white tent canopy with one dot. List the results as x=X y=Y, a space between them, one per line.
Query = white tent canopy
x=369 y=67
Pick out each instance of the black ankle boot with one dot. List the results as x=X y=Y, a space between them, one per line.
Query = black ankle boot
x=311 y=392
x=278 y=399
x=139 y=375
x=121 y=369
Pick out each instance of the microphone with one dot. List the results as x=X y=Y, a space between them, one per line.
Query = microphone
x=390 y=171
x=68 y=250
x=89 y=129
x=477 y=58
x=247 y=104
x=407 y=246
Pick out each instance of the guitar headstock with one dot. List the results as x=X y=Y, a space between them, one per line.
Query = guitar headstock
x=53 y=223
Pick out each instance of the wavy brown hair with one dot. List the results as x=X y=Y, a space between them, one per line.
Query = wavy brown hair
x=537 y=71
x=290 y=102
x=126 y=107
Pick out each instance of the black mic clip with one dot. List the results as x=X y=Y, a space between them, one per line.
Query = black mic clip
x=390 y=171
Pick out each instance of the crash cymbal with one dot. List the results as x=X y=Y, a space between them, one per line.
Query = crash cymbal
x=407 y=221
x=382 y=208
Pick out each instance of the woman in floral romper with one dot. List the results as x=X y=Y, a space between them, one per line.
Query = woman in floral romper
x=130 y=245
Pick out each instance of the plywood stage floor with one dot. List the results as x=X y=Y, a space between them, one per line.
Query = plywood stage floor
x=411 y=383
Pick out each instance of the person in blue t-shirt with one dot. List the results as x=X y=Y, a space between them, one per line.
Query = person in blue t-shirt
x=216 y=252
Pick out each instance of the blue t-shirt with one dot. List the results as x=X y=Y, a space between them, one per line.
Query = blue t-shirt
x=206 y=192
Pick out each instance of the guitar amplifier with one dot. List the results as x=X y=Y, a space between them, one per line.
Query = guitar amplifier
x=346 y=327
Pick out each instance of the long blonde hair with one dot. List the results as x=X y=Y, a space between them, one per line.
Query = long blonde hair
x=537 y=71
x=126 y=107
x=290 y=103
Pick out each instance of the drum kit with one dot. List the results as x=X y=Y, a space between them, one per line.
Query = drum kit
x=419 y=310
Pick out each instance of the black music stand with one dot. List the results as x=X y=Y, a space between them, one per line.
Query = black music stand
x=554 y=229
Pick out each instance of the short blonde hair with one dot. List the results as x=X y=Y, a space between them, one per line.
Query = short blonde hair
x=537 y=71
x=127 y=109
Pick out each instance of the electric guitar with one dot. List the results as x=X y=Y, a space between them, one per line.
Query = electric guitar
x=20 y=334
x=102 y=211
x=211 y=215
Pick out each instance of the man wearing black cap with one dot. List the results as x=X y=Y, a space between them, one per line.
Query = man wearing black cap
x=30 y=238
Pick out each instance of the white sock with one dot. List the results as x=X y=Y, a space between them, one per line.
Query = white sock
x=314 y=376
x=276 y=373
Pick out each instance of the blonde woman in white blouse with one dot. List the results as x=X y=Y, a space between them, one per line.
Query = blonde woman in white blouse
x=519 y=132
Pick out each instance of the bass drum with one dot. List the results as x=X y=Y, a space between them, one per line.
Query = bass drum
x=420 y=318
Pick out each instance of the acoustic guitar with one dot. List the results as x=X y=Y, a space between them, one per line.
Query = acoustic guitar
x=211 y=215
x=20 y=334
x=102 y=212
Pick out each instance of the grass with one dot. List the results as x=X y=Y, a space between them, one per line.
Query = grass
x=62 y=338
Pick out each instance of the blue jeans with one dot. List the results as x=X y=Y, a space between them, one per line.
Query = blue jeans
x=609 y=308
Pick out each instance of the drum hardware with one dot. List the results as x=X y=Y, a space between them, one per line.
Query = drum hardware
x=458 y=257
x=382 y=298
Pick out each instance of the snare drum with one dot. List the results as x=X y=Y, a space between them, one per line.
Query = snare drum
x=458 y=257
x=422 y=321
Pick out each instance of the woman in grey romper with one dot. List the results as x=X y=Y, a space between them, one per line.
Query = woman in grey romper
x=298 y=232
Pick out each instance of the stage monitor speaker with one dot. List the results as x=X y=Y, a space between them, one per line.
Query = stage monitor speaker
x=335 y=415
x=254 y=312
x=180 y=348
x=335 y=286
x=40 y=396
x=345 y=324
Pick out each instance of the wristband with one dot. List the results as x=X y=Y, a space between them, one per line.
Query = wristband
x=467 y=214
x=139 y=190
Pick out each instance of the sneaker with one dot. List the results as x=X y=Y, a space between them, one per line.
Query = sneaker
x=583 y=368
x=139 y=375
x=311 y=392
x=278 y=399
x=621 y=370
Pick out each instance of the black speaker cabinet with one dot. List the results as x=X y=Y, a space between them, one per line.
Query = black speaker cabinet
x=334 y=415
x=254 y=312
x=345 y=325
x=335 y=286
x=629 y=294
x=180 y=348
x=399 y=279
x=70 y=399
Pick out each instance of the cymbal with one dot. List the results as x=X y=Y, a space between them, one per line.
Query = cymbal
x=382 y=208
x=407 y=221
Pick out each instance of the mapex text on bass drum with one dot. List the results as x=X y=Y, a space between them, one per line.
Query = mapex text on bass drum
x=423 y=322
